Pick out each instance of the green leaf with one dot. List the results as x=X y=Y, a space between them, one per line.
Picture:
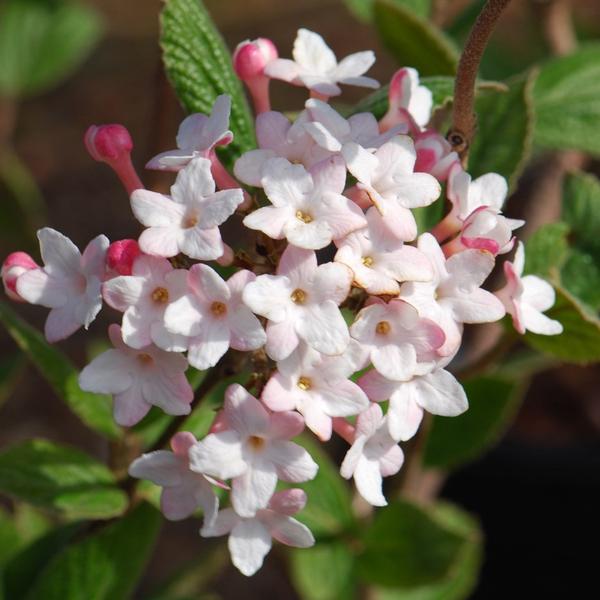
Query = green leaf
x=493 y=402
x=105 y=565
x=504 y=131
x=581 y=210
x=41 y=43
x=413 y=41
x=363 y=9
x=408 y=546
x=329 y=511
x=324 y=572
x=567 y=101
x=20 y=572
x=546 y=250
x=580 y=275
x=199 y=66
x=580 y=341
x=93 y=409
x=463 y=577
x=10 y=538
x=428 y=216
x=60 y=478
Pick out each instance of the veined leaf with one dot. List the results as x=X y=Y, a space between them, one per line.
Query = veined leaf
x=198 y=65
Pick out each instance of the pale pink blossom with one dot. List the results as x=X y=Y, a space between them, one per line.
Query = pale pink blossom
x=438 y=392
x=13 y=267
x=138 y=380
x=188 y=220
x=250 y=538
x=212 y=315
x=400 y=342
x=318 y=387
x=69 y=283
x=372 y=456
x=454 y=295
x=408 y=102
x=278 y=138
x=434 y=155
x=301 y=303
x=332 y=132
x=253 y=451
x=143 y=297
x=316 y=67
x=308 y=209
x=184 y=490
x=485 y=229
x=467 y=194
x=379 y=261
x=526 y=298
x=197 y=136
x=388 y=178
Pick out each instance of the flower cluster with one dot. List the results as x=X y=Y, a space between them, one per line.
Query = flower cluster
x=336 y=300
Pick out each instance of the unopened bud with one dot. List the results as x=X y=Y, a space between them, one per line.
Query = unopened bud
x=249 y=61
x=251 y=57
x=121 y=255
x=112 y=144
x=13 y=267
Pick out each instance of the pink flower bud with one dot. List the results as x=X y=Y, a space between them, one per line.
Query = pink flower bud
x=249 y=61
x=13 y=267
x=112 y=144
x=121 y=254
x=251 y=57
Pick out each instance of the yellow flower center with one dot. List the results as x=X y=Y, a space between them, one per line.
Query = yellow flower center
x=304 y=217
x=298 y=296
x=304 y=383
x=256 y=442
x=145 y=359
x=218 y=309
x=383 y=327
x=160 y=295
x=367 y=261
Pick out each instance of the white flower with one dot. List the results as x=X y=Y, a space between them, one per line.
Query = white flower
x=188 y=220
x=379 y=261
x=69 y=283
x=437 y=392
x=212 y=315
x=388 y=177
x=485 y=229
x=301 y=303
x=308 y=207
x=278 y=138
x=400 y=342
x=454 y=295
x=183 y=490
x=467 y=195
x=143 y=297
x=317 y=386
x=253 y=451
x=408 y=101
x=373 y=455
x=332 y=132
x=197 y=136
x=526 y=298
x=315 y=66
x=250 y=538
x=138 y=379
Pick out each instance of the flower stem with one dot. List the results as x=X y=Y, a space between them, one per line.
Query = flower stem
x=463 y=115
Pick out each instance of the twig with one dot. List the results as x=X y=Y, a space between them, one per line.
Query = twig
x=463 y=115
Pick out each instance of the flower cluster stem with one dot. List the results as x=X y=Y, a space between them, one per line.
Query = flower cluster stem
x=463 y=115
